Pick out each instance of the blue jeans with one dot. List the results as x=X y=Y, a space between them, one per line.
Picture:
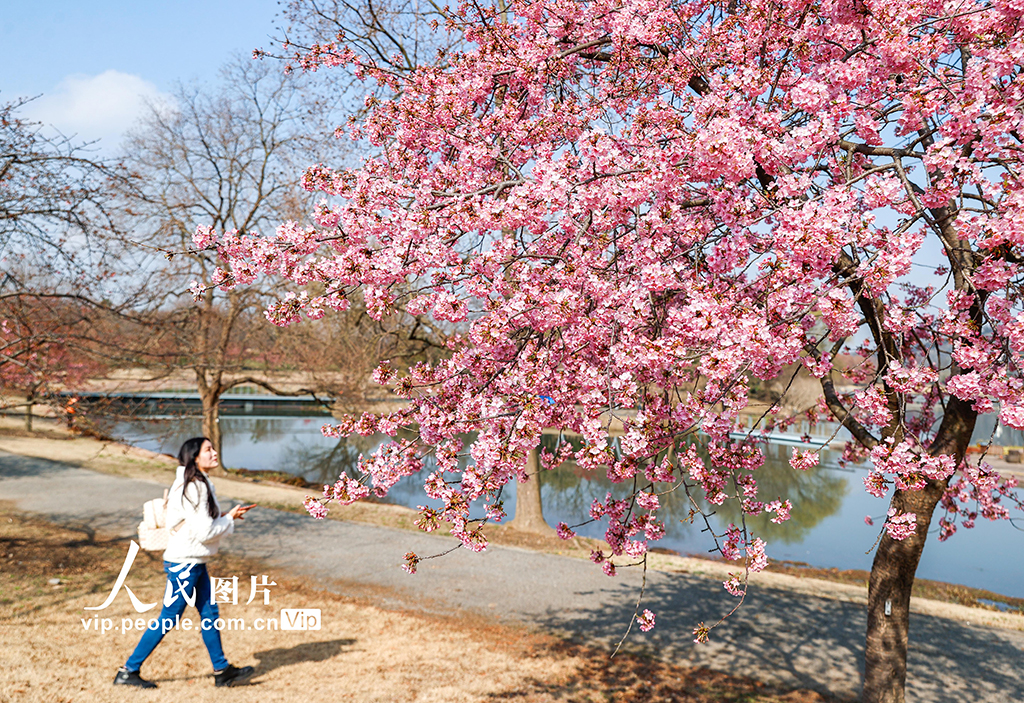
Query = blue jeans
x=185 y=583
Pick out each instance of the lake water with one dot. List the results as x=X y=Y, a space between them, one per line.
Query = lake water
x=829 y=503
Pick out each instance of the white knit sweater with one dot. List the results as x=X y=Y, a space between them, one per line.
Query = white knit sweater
x=199 y=538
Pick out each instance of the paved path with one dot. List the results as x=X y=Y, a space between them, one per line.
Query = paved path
x=779 y=637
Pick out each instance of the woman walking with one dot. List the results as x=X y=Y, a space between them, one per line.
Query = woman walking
x=198 y=526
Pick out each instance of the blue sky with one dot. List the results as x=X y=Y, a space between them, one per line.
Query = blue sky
x=93 y=61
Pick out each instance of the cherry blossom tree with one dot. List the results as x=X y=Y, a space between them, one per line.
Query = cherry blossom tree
x=43 y=350
x=637 y=209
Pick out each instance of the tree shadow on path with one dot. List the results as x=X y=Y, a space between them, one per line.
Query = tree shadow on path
x=798 y=641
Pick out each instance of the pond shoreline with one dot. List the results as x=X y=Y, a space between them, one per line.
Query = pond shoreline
x=54 y=442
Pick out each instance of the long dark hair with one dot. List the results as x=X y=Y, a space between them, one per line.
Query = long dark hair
x=187 y=458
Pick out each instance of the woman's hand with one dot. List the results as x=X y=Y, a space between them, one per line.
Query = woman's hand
x=238 y=511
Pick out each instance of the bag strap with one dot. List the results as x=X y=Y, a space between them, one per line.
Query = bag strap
x=165 y=498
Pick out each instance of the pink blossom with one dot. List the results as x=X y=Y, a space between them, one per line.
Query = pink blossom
x=647 y=501
x=803 y=460
x=411 y=562
x=874 y=404
x=730 y=547
x=876 y=484
x=909 y=379
x=204 y=237
x=635 y=548
x=734 y=585
x=757 y=559
x=384 y=373
x=993 y=274
x=429 y=520
x=564 y=532
x=315 y=508
x=899 y=526
x=496 y=512
x=969 y=386
x=818 y=367
x=645 y=620
x=449 y=307
x=347 y=490
x=781 y=508
x=326 y=216
x=1012 y=414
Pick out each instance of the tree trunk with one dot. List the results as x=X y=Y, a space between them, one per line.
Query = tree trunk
x=28 y=411
x=892 y=578
x=529 y=515
x=895 y=564
x=211 y=424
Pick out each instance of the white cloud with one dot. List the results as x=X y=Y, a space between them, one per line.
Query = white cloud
x=95 y=107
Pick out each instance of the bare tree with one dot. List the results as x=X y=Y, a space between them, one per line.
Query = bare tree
x=54 y=201
x=227 y=159
x=61 y=255
x=396 y=34
x=339 y=353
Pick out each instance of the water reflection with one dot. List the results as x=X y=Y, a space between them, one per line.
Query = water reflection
x=827 y=527
x=296 y=446
x=816 y=494
x=318 y=464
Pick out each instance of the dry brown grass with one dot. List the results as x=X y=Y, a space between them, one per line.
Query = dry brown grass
x=362 y=652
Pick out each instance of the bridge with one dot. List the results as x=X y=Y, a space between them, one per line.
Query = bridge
x=181 y=403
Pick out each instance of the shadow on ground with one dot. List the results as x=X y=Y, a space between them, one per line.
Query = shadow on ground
x=799 y=641
x=271 y=659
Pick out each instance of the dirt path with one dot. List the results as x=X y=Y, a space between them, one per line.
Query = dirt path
x=783 y=635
